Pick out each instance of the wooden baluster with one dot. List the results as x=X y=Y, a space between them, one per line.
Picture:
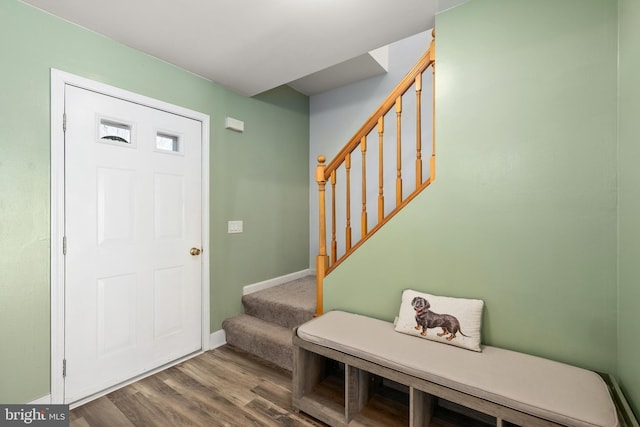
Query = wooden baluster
x=415 y=77
x=432 y=56
x=380 y=169
x=363 y=215
x=347 y=162
x=322 y=260
x=334 y=244
x=398 y=151
x=418 y=130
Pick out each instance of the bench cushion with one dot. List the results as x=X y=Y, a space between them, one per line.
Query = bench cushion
x=547 y=389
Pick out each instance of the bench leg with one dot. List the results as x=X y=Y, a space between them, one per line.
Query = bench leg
x=356 y=391
x=420 y=408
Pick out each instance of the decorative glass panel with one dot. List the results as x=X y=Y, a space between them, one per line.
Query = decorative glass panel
x=115 y=132
x=165 y=142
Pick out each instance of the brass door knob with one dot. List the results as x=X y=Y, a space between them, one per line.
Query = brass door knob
x=195 y=251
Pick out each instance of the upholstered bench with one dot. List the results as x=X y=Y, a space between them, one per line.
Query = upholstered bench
x=512 y=387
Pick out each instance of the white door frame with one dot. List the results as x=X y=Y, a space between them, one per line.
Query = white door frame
x=58 y=81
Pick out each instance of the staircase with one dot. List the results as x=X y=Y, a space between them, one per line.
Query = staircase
x=265 y=328
x=396 y=167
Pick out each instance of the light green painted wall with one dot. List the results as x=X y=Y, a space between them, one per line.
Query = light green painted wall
x=523 y=211
x=629 y=202
x=259 y=176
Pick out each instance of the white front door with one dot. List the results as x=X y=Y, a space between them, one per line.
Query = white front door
x=132 y=216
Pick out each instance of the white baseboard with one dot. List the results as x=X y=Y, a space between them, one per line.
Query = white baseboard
x=249 y=289
x=217 y=339
x=44 y=400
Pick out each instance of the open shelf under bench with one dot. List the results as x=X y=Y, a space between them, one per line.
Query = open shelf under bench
x=497 y=387
x=342 y=390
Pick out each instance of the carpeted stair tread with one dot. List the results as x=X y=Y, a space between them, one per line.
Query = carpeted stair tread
x=288 y=305
x=266 y=340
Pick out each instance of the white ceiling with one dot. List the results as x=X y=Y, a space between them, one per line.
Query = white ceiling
x=251 y=46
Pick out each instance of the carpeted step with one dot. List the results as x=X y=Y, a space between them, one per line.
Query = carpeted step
x=288 y=305
x=266 y=340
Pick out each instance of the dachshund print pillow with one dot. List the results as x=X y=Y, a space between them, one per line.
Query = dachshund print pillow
x=455 y=321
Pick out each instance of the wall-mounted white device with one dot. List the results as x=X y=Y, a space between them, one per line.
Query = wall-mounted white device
x=234 y=124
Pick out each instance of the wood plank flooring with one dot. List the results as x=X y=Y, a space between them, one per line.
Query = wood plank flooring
x=222 y=387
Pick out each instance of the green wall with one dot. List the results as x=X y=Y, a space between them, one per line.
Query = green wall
x=259 y=176
x=523 y=211
x=629 y=202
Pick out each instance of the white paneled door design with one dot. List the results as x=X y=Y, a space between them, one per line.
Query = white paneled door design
x=133 y=237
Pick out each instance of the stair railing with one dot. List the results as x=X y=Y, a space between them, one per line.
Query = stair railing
x=342 y=165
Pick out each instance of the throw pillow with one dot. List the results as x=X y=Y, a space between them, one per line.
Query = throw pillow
x=455 y=321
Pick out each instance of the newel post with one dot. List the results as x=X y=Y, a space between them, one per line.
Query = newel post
x=322 y=260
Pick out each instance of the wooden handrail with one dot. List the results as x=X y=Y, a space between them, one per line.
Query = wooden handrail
x=326 y=262
x=420 y=67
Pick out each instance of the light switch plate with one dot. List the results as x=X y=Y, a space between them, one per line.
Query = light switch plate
x=234 y=227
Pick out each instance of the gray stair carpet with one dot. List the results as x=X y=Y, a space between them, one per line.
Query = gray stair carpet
x=265 y=329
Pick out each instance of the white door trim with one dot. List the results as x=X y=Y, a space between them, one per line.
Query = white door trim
x=58 y=81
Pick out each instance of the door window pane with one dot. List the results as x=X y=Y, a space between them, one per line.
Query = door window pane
x=166 y=142
x=111 y=131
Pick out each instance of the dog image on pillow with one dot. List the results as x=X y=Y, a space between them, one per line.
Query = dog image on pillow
x=427 y=319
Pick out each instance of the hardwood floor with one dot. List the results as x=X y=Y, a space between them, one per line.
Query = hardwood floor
x=222 y=387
